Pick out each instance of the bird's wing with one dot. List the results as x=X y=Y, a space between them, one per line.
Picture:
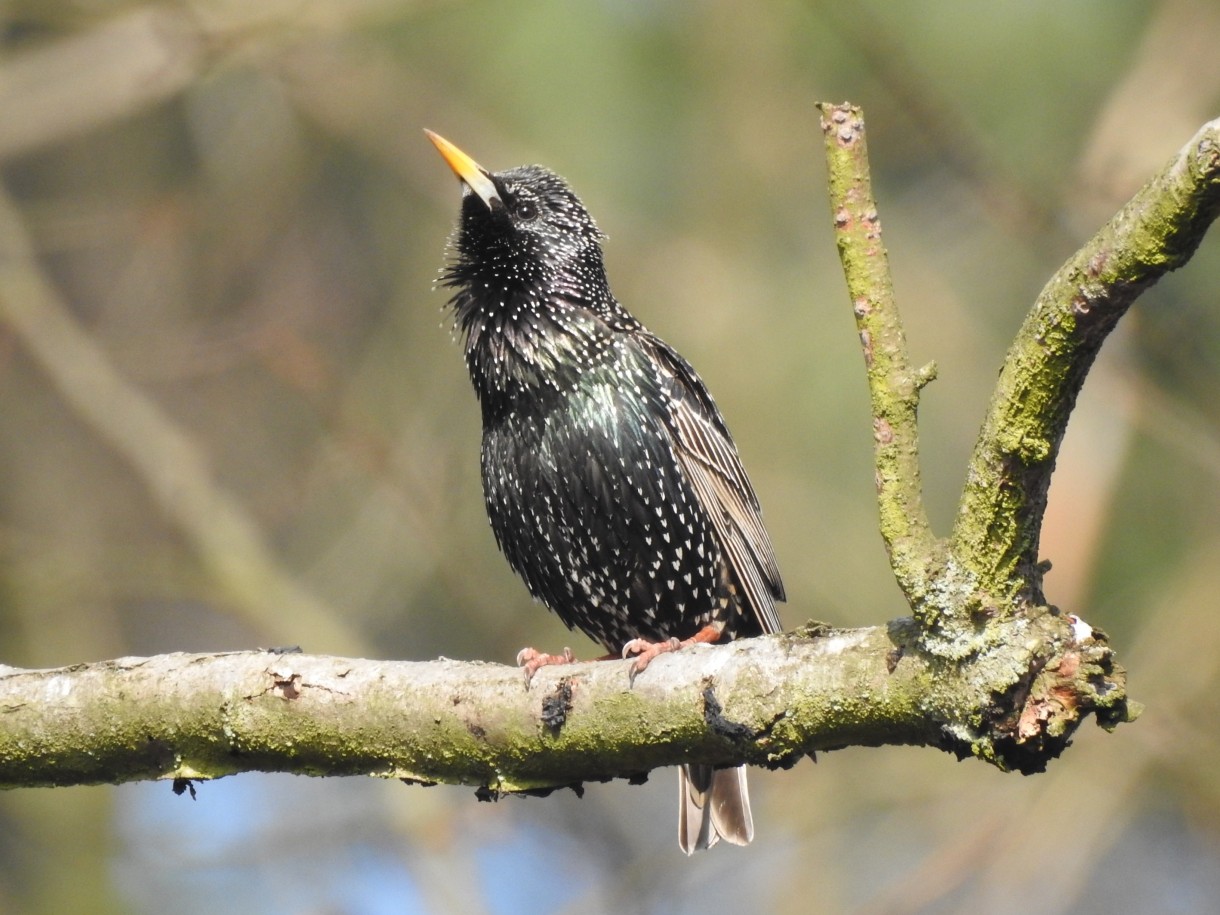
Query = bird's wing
x=709 y=459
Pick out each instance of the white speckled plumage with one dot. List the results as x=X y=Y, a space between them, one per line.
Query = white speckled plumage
x=611 y=482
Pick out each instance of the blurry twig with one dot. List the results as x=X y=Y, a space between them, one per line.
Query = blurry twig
x=124 y=66
x=136 y=60
x=171 y=464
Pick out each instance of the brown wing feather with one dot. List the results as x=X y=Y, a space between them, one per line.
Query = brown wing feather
x=709 y=459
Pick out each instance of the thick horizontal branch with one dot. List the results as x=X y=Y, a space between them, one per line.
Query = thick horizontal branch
x=767 y=701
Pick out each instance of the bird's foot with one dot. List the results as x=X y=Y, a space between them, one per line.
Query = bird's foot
x=645 y=650
x=532 y=660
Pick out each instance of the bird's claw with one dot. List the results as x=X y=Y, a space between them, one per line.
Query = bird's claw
x=533 y=660
x=644 y=652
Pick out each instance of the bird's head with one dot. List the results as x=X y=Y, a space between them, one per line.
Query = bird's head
x=522 y=230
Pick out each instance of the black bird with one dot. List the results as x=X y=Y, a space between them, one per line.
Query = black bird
x=612 y=484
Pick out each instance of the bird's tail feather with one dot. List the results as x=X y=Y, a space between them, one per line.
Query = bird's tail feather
x=713 y=804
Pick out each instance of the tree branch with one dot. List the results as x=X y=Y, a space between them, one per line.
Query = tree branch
x=893 y=385
x=767 y=701
x=999 y=517
x=984 y=668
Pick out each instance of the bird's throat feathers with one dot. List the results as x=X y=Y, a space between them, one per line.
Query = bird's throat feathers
x=532 y=303
x=518 y=346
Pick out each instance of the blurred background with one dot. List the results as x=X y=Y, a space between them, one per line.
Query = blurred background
x=232 y=415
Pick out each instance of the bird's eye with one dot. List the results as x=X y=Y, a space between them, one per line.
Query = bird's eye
x=527 y=210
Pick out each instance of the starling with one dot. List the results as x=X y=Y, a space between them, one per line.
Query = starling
x=611 y=482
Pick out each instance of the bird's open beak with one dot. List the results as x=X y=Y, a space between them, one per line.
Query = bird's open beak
x=473 y=175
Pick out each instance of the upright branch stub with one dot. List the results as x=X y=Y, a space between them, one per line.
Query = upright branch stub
x=893 y=384
x=995 y=538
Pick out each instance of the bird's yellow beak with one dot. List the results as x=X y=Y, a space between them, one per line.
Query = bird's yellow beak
x=473 y=175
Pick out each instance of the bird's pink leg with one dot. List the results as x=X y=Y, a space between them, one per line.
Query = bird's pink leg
x=645 y=650
x=533 y=660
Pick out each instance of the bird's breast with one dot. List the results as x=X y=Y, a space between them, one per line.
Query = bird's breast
x=589 y=505
x=529 y=356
